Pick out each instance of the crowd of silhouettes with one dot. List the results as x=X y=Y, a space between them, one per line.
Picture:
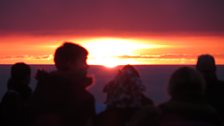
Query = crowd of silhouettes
x=61 y=97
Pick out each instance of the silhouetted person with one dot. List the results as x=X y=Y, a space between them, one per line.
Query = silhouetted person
x=187 y=105
x=61 y=98
x=215 y=88
x=124 y=99
x=15 y=102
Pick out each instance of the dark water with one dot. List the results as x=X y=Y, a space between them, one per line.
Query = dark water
x=155 y=78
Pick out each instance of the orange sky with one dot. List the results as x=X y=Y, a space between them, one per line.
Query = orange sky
x=114 y=50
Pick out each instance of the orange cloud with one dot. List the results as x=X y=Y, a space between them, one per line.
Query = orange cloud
x=114 y=50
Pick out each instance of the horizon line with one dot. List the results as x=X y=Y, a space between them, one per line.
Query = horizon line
x=122 y=64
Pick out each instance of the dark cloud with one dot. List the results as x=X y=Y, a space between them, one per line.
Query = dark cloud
x=168 y=57
x=165 y=56
x=74 y=16
x=162 y=56
x=28 y=57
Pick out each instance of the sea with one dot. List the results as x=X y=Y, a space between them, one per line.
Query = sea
x=154 y=77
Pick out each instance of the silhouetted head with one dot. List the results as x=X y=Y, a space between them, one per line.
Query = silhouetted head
x=20 y=75
x=70 y=56
x=126 y=89
x=206 y=64
x=129 y=71
x=186 y=84
x=20 y=78
x=20 y=71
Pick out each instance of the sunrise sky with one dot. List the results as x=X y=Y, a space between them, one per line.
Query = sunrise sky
x=114 y=31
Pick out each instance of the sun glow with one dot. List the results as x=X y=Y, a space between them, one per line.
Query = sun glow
x=113 y=51
x=108 y=51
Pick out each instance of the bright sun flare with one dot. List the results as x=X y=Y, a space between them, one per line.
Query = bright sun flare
x=108 y=51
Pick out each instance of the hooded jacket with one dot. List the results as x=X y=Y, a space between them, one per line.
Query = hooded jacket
x=63 y=95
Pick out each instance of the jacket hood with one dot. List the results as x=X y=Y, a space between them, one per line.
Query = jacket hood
x=72 y=77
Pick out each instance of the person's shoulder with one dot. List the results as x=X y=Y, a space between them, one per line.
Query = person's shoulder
x=50 y=83
x=149 y=110
x=49 y=77
x=11 y=94
x=11 y=97
x=115 y=112
x=146 y=115
x=42 y=76
x=219 y=87
x=147 y=100
x=221 y=83
x=165 y=105
x=188 y=108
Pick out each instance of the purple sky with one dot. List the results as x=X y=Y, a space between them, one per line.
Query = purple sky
x=146 y=16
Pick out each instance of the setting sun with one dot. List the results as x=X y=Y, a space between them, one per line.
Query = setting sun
x=115 y=32
x=108 y=51
x=113 y=51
